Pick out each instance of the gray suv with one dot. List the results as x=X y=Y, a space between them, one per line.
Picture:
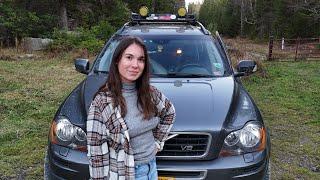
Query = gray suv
x=218 y=133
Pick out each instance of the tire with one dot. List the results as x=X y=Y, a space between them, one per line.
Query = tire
x=267 y=175
x=46 y=168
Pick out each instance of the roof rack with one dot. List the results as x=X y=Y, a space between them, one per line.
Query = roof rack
x=170 y=18
x=167 y=18
x=137 y=19
x=203 y=29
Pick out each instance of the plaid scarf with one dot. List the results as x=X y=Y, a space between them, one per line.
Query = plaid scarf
x=109 y=152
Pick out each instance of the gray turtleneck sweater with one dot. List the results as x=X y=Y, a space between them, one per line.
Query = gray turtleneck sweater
x=140 y=130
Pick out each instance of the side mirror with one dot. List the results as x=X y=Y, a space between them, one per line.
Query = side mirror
x=82 y=65
x=246 y=67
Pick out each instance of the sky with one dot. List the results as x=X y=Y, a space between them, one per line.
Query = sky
x=192 y=1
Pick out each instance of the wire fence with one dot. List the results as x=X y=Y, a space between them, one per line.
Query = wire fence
x=294 y=49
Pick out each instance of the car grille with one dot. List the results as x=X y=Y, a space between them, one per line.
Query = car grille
x=186 y=145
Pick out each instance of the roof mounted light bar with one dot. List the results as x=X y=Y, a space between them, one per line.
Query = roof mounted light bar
x=144 y=16
x=136 y=18
x=181 y=17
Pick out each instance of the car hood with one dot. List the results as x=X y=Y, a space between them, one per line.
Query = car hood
x=200 y=103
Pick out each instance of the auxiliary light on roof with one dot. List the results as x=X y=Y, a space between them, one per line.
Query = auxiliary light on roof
x=144 y=16
x=143 y=11
x=182 y=12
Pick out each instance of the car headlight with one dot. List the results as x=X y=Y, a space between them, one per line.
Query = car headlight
x=250 y=135
x=63 y=133
x=251 y=138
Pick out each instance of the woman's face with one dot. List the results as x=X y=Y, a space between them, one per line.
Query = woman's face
x=131 y=63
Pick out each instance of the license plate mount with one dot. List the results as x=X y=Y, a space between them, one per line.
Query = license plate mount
x=165 y=178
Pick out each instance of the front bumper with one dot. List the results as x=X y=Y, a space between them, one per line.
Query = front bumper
x=249 y=166
x=65 y=163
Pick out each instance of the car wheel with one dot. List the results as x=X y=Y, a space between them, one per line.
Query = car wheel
x=267 y=175
x=46 y=167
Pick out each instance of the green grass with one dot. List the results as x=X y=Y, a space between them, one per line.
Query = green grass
x=30 y=93
x=289 y=99
x=32 y=90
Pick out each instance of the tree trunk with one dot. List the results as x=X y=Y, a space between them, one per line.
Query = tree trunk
x=63 y=14
x=153 y=6
x=242 y=17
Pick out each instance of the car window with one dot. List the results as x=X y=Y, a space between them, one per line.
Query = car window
x=105 y=58
x=176 y=55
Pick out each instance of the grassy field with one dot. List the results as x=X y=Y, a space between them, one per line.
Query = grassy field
x=289 y=98
x=31 y=91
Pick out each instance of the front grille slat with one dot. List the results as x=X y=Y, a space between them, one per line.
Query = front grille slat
x=188 y=144
x=183 y=151
x=191 y=145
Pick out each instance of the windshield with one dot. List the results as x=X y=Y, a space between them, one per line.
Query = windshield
x=193 y=56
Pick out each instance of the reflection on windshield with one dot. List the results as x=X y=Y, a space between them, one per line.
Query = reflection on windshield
x=176 y=57
x=104 y=60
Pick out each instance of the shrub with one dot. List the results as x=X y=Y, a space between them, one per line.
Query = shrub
x=92 y=45
x=63 y=41
x=90 y=39
x=103 y=30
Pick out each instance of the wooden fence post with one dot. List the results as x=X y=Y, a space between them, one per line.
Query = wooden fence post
x=297 y=46
x=270 y=48
x=16 y=43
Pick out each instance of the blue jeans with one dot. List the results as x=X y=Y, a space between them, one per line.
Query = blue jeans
x=146 y=171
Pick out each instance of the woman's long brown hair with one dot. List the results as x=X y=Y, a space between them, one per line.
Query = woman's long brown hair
x=114 y=84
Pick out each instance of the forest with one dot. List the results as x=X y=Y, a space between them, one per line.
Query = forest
x=262 y=18
x=88 y=24
x=92 y=21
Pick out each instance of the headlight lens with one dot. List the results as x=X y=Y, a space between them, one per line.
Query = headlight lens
x=80 y=134
x=232 y=139
x=64 y=130
x=250 y=135
x=64 y=133
x=250 y=138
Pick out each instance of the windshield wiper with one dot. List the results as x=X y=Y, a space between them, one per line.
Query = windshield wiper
x=183 y=75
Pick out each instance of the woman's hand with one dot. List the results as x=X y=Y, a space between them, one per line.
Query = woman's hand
x=157 y=150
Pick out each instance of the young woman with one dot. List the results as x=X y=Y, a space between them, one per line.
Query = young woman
x=128 y=120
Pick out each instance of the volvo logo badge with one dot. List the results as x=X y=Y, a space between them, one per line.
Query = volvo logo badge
x=186 y=147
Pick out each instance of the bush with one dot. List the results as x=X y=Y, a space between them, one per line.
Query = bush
x=63 y=41
x=92 y=45
x=103 y=30
x=90 y=39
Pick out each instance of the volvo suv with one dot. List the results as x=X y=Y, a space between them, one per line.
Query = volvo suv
x=219 y=132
